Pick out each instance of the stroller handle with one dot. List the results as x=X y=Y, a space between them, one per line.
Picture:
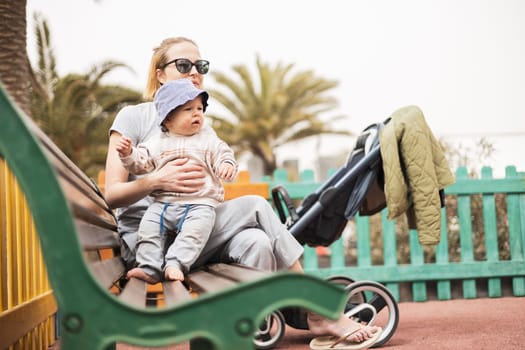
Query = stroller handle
x=328 y=194
x=279 y=195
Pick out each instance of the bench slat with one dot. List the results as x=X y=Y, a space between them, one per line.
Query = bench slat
x=65 y=166
x=71 y=183
x=83 y=207
x=85 y=214
x=203 y=281
x=80 y=190
x=94 y=237
x=134 y=292
x=67 y=180
x=175 y=293
x=109 y=271
x=236 y=272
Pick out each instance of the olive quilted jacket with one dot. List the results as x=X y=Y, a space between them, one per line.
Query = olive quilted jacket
x=415 y=171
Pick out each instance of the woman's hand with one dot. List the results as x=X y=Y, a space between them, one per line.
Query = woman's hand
x=179 y=176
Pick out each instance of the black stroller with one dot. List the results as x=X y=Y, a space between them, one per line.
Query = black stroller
x=320 y=220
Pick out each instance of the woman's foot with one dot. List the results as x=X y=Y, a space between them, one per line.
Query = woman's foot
x=139 y=273
x=342 y=343
x=343 y=328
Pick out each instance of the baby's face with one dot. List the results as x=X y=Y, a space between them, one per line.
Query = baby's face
x=187 y=119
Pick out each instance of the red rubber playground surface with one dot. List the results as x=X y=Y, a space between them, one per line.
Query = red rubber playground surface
x=473 y=324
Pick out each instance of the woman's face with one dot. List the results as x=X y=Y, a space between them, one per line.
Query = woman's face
x=181 y=50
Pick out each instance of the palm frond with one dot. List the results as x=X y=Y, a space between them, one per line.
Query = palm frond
x=286 y=106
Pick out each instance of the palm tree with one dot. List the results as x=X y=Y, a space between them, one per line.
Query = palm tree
x=280 y=109
x=15 y=72
x=76 y=111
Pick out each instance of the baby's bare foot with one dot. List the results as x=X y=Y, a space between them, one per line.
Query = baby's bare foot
x=173 y=274
x=139 y=273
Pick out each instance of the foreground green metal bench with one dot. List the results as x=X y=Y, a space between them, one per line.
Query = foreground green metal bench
x=74 y=223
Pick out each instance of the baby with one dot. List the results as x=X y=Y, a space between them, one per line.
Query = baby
x=180 y=106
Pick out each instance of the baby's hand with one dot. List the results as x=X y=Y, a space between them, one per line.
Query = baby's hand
x=226 y=171
x=123 y=146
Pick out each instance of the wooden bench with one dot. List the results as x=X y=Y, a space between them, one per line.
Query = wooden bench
x=77 y=229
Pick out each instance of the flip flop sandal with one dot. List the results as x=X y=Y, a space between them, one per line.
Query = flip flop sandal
x=332 y=342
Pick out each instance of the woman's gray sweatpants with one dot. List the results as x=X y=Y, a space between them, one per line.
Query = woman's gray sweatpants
x=246 y=231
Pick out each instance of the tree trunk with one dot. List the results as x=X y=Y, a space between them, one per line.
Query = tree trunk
x=14 y=63
x=269 y=166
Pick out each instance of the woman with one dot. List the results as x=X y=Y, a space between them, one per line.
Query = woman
x=238 y=221
x=246 y=229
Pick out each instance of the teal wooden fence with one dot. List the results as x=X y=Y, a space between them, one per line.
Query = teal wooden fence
x=473 y=260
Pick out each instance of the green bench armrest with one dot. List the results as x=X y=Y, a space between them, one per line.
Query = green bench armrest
x=93 y=318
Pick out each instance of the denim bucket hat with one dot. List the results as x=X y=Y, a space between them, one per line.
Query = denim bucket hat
x=175 y=93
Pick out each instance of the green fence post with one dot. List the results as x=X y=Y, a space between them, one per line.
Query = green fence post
x=390 y=249
x=364 y=258
x=515 y=234
x=465 y=234
x=443 y=287
x=337 y=254
x=419 y=289
x=491 y=233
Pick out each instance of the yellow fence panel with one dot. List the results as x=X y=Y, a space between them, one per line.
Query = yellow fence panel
x=27 y=305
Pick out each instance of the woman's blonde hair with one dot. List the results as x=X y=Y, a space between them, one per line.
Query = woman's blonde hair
x=158 y=60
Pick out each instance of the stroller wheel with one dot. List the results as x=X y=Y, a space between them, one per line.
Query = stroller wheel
x=378 y=307
x=356 y=298
x=270 y=332
x=340 y=279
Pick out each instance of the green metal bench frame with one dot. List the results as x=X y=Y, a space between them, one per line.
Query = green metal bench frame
x=92 y=318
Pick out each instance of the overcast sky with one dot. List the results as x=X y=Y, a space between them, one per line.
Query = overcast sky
x=461 y=61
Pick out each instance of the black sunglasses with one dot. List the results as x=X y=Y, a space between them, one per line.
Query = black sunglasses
x=184 y=65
